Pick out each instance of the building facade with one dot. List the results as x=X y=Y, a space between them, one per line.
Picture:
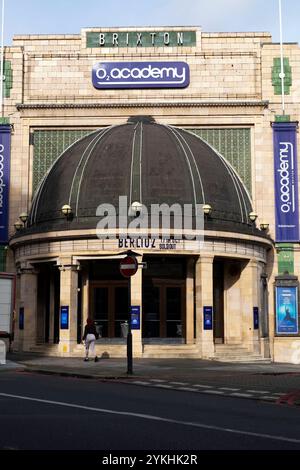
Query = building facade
x=159 y=115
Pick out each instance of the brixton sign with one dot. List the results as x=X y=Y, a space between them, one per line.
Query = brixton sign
x=128 y=266
x=141 y=39
x=109 y=75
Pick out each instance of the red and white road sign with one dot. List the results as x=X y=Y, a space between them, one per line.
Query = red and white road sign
x=128 y=266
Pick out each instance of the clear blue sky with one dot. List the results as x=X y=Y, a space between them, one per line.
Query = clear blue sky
x=69 y=16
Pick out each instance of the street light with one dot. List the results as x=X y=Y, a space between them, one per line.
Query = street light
x=23 y=217
x=135 y=209
x=18 y=225
x=253 y=216
x=66 y=210
x=264 y=226
x=207 y=209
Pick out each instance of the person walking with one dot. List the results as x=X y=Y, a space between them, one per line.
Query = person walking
x=89 y=337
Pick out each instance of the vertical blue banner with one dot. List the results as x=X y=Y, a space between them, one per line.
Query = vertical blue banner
x=286 y=182
x=287 y=310
x=5 y=133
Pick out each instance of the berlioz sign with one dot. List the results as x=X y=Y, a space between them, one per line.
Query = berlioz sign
x=109 y=75
x=141 y=39
x=152 y=243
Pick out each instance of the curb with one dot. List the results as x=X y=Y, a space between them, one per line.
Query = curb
x=130 y=379
x=78 y=375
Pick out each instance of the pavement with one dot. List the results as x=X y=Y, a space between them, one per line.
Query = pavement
x=274 y=382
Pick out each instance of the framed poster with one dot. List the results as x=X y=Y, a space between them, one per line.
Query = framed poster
x=135 y=317
x=64 y=318
x=287 y=310
x=256 y=318
x=207 y=318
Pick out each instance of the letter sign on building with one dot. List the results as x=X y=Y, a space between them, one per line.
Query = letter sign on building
x=286 y=182
x=113 y=75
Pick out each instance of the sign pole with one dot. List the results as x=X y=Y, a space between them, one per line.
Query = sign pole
x=2 y=61
x=129 y=334
x=128 y=267
x=282 y=74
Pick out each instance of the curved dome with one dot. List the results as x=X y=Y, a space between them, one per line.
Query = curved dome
x=147 y=162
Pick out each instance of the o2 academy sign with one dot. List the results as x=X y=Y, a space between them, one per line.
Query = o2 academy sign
x=141 y=39
x=110 y=75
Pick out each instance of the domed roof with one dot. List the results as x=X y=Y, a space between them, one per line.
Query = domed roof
x=147 y=162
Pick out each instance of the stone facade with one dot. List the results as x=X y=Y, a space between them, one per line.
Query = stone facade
x=230 y=87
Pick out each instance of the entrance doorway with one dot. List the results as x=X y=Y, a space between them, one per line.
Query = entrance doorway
x=163 y=309
x=109 y=306
x=164 y=291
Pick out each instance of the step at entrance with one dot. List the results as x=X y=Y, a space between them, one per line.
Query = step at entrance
x=171 y=351
x=237 y=353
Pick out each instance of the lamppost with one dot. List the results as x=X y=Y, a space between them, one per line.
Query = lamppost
x=128 y=267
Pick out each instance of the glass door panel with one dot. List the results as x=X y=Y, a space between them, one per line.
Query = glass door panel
x=173 y=306
x=151 y=311
x=100 y=309
x=121 y=309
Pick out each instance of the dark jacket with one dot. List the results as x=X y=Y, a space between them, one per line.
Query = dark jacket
x=90 y=330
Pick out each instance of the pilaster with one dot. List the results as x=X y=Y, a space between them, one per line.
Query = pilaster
x=189 y=322
x=136 y=300
x=68 y=298
x=250 y=282
x=28 y=281
x=204 y=298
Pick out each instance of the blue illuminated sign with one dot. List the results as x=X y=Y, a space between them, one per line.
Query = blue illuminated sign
x=21 y=318
x=64 y=318
x=207 y=318
x=135 y=312
x=110 y=75
x=255 y=318
x=287 y=310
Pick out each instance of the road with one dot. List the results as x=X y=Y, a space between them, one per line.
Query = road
x=40 y=412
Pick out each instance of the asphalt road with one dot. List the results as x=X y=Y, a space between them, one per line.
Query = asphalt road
x=56 y=413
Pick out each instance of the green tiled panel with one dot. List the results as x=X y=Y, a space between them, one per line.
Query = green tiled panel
x=8 y=82
x=276 y=80
x=2 y=259
x=234 y=145
x=48 y=145
x=285 y=258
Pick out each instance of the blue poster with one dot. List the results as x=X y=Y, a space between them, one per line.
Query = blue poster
x=5 y=133
x=113 y=75
x=64 y=318
x=256 y=318
x=135 y=317
x=21 y=318
x=207 y=318
x=287 y=310
x=286 y=182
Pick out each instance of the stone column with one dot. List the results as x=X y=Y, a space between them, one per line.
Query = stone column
x=68 y=298
x=51 y=308
x=136 y=300
x=233 y=302
x=28 y=301
x=204 y=297
x=189 y=319
x=85 y=299
x=250 y=280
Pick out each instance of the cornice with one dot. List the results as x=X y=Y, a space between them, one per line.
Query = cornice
x=144 y=104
